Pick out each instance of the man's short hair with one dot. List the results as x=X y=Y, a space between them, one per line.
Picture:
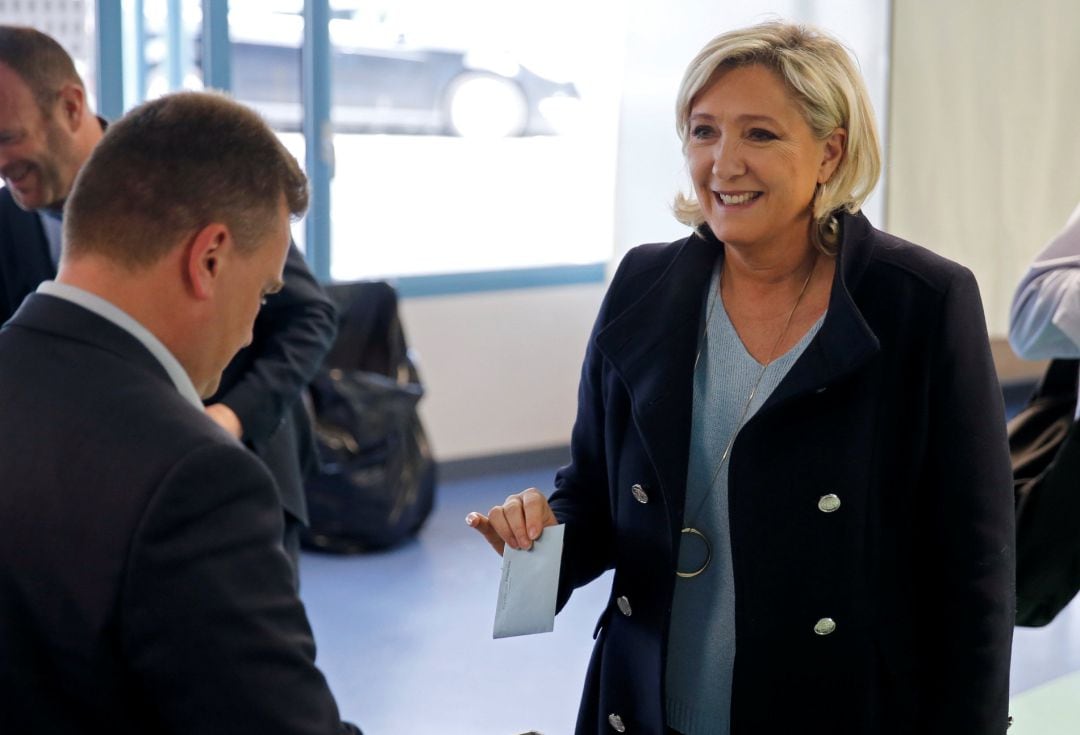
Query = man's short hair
x=40 y=61
x=172 y=166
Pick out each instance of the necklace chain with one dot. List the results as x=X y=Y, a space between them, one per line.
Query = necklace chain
x=689 y=529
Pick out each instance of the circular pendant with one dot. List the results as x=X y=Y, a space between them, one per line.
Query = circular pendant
x=688 y=531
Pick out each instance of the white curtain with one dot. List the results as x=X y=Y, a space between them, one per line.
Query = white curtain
x=984 y=155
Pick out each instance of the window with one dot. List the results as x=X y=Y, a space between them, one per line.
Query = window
x=472 y=136
x=483 y=135
x=265 y=37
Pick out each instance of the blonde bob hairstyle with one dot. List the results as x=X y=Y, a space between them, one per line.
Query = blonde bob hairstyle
x=826 y=84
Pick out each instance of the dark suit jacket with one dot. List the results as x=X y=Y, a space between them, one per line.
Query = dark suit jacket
x=894 y=407
x=261 y=385
x=143 y=587
x=24 y=255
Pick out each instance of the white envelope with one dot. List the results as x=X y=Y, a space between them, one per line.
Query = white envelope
x=530 y=582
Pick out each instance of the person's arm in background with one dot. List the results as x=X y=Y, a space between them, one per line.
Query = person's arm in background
x=1045 y=318
x=292 y=335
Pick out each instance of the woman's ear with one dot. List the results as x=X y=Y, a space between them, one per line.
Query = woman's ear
x=833 y=154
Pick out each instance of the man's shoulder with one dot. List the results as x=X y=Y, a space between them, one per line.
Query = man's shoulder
x=90 y=372
x=123 y=431
x=138 y=408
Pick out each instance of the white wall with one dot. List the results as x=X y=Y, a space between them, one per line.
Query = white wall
x=501 y=369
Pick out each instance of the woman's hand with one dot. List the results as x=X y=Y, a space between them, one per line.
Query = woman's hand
x=518 y=522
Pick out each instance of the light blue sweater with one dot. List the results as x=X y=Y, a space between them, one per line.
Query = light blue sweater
x=701 y=641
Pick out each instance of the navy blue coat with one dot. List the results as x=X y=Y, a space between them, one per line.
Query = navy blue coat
x=895 y=408
x=262 y=384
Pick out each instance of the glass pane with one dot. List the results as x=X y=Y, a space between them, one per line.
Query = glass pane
x=266 y=38
x=471 y=136
x=172 y=30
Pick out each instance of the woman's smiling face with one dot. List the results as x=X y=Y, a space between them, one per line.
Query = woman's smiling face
x=754 y=160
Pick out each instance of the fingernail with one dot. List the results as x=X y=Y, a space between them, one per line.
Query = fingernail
x=470 y=519
x=534 y=533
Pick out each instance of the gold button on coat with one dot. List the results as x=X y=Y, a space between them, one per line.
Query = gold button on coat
x=828 y=503
x=825 y=626
x=616 y=723
x=624 y=606
x=639 y=493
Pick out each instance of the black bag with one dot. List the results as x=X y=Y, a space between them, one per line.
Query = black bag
x=376 y=483
x=1044 y=444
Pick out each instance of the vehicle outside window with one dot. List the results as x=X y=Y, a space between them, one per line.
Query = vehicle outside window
x=384 y=80
x=470 y=136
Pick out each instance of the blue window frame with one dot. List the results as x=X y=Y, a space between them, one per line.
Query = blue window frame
x=110 y=60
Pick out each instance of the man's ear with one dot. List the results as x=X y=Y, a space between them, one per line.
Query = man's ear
x=71 y=104
x=203 y=258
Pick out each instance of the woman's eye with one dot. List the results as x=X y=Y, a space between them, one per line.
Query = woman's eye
x=700 y=132
x=761 y=134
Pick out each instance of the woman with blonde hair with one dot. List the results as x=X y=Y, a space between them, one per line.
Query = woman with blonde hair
x=790 y=439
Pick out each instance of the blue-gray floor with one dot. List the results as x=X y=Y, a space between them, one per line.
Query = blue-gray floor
x=405 y=637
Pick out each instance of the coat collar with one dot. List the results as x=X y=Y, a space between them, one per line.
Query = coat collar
x=652 y=345
x=845 y=341
x=44 y=313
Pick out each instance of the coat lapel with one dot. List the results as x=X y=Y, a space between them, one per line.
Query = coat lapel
x=652 y=346
x=845 y=341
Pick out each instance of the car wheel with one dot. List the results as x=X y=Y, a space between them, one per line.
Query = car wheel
x=485 y=106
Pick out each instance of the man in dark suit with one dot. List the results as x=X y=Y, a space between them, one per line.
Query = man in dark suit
x=43 y=143
x=143 y=587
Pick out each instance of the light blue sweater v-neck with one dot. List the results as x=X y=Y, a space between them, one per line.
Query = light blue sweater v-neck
x=701 y=640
